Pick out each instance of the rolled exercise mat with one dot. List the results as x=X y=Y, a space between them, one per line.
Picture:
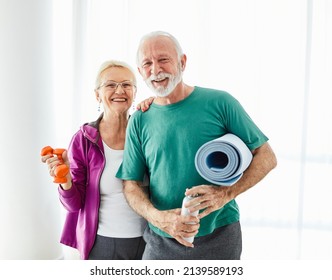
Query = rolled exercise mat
x=222 y=161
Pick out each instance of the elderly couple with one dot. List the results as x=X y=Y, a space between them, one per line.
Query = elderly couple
x=128 y=176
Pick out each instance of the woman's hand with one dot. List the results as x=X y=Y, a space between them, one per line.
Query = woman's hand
x=145 y=104
x=53 y=161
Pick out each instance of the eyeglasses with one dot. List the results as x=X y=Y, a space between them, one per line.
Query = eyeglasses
x=112 y=85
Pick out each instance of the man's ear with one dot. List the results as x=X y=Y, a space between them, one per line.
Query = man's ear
x=139 y=70
x=183 y=62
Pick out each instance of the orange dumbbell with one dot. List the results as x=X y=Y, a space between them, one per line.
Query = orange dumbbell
x=61 y=170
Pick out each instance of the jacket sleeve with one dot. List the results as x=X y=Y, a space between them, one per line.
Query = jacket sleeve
x=73 y=199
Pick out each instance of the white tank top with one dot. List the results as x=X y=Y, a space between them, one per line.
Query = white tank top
x=116 y=218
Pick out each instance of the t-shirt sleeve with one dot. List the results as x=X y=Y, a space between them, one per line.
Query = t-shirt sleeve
x=133 y=166
x=240 y=123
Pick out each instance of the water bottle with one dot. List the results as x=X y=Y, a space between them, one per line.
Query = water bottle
x=185 y=212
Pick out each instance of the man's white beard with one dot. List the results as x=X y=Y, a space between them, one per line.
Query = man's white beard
x=162 y=91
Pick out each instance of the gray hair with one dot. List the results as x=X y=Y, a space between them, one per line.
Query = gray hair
x=109 y=64
x=154 y=34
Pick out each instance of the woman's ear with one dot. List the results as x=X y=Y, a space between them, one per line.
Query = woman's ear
x=97 y=95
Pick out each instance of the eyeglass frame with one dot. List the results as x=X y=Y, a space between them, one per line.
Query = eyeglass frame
x=117 y=84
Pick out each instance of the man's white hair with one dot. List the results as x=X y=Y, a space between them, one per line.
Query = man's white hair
x=158 y=34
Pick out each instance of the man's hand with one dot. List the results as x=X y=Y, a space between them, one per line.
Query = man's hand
x=177 y=226
x=169 y=221
x=210 y=198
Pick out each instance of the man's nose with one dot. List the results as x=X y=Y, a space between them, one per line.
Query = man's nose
x=155 y=68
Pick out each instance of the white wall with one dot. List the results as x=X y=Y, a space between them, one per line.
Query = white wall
x=29 y=207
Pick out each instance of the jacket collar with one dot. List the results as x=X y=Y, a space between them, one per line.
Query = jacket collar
x=91 y=130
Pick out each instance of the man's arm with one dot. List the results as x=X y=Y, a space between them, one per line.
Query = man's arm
x=213 y=197
x=169 y=221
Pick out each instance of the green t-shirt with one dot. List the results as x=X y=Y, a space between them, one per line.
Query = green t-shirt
x=163 y=142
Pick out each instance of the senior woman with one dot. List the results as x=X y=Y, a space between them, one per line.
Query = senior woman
x=99 y=222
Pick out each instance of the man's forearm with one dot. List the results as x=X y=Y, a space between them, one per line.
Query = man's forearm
x=264 y=161
x=138 y=199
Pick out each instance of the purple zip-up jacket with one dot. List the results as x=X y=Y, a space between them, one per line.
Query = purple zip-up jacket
x=87 y=161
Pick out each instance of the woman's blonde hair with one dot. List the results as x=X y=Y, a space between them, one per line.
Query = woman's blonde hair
x=109 y=64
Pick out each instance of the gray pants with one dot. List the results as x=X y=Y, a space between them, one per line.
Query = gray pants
x=225 y=243
x=108 y=248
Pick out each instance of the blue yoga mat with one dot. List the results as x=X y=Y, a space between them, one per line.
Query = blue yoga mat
x=222 y=161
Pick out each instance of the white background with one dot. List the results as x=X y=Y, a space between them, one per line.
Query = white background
x=274 y=56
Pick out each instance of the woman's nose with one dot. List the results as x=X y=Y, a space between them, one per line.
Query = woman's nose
x=119 y=89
